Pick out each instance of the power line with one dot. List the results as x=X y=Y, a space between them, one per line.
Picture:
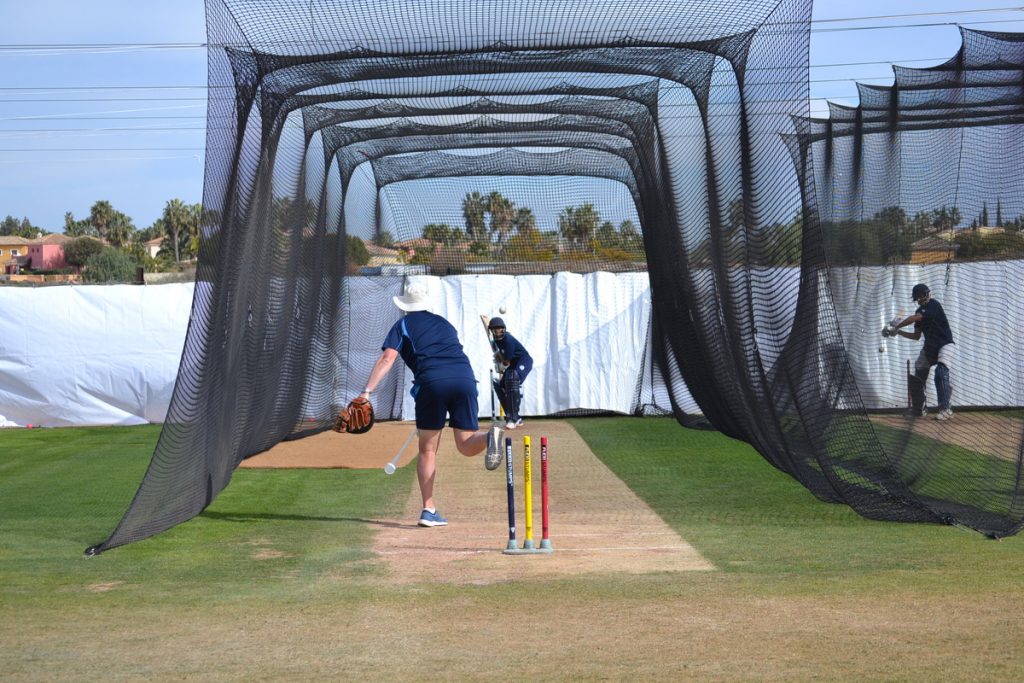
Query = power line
x=986 y=10
x=190 y=45
x=161 y=129
x=103 y=149
x=231 y=87
x=843 y=79
x=46 y=117
x=928 y=25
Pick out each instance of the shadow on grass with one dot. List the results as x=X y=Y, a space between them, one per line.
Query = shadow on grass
x=269 y=516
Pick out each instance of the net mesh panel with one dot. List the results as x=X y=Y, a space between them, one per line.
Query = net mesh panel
x=922 y=182
x=537 y=137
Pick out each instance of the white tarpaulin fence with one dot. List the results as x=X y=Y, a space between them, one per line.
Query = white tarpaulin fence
x=90 y=355
x=100 y=355
x=586 y=333
x=987 y=325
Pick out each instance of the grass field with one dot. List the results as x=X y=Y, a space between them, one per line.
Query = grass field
x=276 y=580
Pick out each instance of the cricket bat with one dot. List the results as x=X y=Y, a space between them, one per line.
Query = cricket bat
x=499 y=365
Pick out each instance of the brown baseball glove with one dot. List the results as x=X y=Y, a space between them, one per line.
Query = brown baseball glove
x=356 y=418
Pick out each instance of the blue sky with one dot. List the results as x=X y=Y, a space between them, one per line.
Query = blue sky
x=68 y=162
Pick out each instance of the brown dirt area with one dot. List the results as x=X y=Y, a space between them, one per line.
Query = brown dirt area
x=597 y=524
x=347 y=451
x=982 y=432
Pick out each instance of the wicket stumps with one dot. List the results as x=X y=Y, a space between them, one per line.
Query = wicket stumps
x=529 y=547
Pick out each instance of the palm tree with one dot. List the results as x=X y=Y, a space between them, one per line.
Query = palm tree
x=473 y=208
x=578 y=224
x=76 y=228
x=100 y=216
x=524 y=222
x=195 y=221
x=606 y=235
x=120 y=229
x=503 y=211
x=177 y=217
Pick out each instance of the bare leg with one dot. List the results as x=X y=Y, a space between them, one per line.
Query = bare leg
x=470 y=443
x=426 y=464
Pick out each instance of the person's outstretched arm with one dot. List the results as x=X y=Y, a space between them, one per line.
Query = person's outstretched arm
x=380 y=369
x=909 y=320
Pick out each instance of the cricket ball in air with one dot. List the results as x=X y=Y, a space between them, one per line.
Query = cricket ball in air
x=502 y=310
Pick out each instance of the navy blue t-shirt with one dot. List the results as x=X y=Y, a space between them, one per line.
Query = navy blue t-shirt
x=515 y=353
x=935 y=327
x=430 y=346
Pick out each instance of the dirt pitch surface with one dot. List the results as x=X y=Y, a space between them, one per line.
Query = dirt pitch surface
x=597 y=524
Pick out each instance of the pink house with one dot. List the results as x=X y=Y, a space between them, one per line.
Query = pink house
x=47 y=253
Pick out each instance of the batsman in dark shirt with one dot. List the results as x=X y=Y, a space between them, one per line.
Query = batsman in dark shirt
x=518 y=363
x=929 y=320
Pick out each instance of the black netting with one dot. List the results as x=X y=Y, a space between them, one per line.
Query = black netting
x=598 y=137
x=922 y=183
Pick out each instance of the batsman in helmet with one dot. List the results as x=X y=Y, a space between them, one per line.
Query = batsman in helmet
x=930 y=320
x=518 y=363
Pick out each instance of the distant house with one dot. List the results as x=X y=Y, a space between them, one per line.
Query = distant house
x=13 y=252
x=415 y=243
x=153 y=246
x=47 y=253
x=410 y=247
x=382 y=256
x=933 y=249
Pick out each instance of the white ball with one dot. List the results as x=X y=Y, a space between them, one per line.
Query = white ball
x=881 y=349
x=389 y=468
x=502 y=310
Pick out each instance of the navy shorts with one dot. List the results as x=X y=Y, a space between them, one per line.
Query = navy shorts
x=456 y=398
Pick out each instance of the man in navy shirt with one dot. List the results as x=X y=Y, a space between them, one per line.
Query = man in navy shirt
x=518 y=363
x=443 y=387
x=930 y=320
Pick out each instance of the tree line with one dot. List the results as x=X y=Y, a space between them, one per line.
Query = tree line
x=107 y=246
x=496 y=228
x=890 y=234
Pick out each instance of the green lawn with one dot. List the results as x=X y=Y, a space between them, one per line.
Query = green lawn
x=276 y=580
x=63 y=490
x=750 y=518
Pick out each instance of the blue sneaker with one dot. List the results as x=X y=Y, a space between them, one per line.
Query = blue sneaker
x=428 y=518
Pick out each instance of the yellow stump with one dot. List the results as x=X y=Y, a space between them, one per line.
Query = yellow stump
x=528 y=494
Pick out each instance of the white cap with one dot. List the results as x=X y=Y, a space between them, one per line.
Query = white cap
x=416 y=297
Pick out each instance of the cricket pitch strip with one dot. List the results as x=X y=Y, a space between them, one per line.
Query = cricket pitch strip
x=597 y=524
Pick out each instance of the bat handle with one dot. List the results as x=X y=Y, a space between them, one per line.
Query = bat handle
x=393 y=464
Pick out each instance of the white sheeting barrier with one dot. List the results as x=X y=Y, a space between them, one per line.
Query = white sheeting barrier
x=97 y=355
x=984 y=303
x=586 y=334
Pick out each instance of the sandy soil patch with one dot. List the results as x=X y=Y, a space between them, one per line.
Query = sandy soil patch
x=332 y=450
x=982 y=432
